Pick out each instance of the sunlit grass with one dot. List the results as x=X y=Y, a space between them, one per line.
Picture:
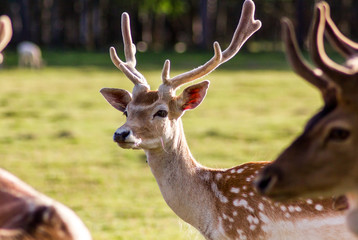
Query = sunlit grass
x=57 y=136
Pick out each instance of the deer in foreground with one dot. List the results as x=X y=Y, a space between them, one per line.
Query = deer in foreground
x=219 y=203
x=26 y=214
x=323 y=159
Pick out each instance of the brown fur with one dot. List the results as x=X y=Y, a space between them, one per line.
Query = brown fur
x=148 y=98
x=323 y=159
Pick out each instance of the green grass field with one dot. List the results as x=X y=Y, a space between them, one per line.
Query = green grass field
x=57 y=133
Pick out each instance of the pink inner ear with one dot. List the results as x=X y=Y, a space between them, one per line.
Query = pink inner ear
x=194 y=99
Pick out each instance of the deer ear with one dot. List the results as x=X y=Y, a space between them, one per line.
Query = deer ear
x=118 y=98
x=192 y=96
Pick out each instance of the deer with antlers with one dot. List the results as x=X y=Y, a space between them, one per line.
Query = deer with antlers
x=26 y=214
x=323 y=159
x=220 y=203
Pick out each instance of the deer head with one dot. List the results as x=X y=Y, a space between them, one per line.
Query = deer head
x=152 y=116
x=323 y=159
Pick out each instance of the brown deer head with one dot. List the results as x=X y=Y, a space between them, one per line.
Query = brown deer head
x=324 y=158
x=153 y=116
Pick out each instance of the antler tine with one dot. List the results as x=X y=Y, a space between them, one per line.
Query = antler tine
x=5 y=33
x=333 y=70
x=128 y=67
x=313 y=76
x=346 y=46
x=246 y=27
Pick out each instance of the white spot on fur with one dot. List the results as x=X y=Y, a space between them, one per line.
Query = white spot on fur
x=252 y=219
x=240 y=170
x=261 y=207
x=283 y=208
x=244 y=187
x=291 y=208
x=264 y=218
x=218 y=176
x=287 y=215
x=218 y=193
x=234 y=213
x=309 y=201
x=242 y=235
x=318 y=207
x=233 y=171
x=251 y=194
x=252 y=227
x=298 y=209
x=243 y=203
x=235 y=190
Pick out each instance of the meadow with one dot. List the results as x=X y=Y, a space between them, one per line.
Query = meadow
x=56 y=132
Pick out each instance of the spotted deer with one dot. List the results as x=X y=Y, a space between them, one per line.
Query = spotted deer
x=323 y=159
x=219 y=203
x=26 y=214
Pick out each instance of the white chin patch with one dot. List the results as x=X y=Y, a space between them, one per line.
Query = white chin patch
x=151 y=143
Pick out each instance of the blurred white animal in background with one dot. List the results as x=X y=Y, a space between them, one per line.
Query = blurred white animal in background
x=29 y=55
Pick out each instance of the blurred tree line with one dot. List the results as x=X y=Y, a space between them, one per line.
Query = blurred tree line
x=161 y=24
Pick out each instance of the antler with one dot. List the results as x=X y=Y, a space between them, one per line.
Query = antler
x=337 y=73
x=346 y=46
x=246 y=27
x=5 y=33
x=128 y=67
x=300 y=66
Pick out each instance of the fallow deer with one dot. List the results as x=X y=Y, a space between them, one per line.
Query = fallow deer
x=29 y=55
x=26 y=214
x=220 y=203
x=323 y=159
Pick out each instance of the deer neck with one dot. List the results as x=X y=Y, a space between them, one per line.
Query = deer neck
x=177 y=174
x=173 y=155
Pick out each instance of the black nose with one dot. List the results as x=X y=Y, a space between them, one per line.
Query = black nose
x=266 y=180
x=121 y=136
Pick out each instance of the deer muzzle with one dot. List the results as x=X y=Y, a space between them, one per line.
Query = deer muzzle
x=126 y=139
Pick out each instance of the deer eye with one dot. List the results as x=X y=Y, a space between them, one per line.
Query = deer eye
x=338 y=134
x=125 y=113
x=161 y=113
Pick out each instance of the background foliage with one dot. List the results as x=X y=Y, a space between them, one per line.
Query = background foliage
x=161 y=24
